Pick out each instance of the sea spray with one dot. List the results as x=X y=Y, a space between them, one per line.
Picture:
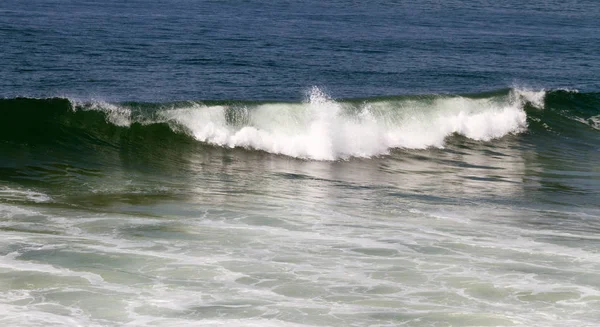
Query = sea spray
x=325 y=129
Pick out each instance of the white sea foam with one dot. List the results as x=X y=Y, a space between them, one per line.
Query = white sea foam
x=593 y=122
x=536 y=98
x=324 y=129
x=9 y=211
x=23 y=195
x=116 y=115
x=371 y=267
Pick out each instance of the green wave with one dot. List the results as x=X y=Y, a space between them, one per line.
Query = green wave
x=39 y=135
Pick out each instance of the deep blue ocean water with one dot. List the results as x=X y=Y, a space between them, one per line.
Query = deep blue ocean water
x=258 y=50
x=299 y=163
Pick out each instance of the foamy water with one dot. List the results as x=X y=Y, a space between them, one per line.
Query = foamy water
x=324 y=129
x=321 y=252
x=420 y=238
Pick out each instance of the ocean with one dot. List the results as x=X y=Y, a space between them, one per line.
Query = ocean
x=299 y=163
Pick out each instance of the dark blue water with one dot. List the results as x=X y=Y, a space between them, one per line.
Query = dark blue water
x=184 y=49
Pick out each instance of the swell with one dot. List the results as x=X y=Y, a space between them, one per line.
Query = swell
x=319 y=128
x=68 y=123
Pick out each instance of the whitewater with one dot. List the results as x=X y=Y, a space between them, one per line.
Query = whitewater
x=322 y=128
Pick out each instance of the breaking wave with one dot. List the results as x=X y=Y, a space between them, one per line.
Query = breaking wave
x=319 y=128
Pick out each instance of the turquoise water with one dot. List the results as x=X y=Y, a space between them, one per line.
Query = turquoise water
x=188 y=163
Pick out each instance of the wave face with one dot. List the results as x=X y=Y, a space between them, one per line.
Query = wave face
x=319 y=128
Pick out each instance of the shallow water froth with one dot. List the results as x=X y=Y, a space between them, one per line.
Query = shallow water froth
x=422 y=238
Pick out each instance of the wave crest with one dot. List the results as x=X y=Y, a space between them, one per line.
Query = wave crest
x=325 y=129
x=319 y=128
